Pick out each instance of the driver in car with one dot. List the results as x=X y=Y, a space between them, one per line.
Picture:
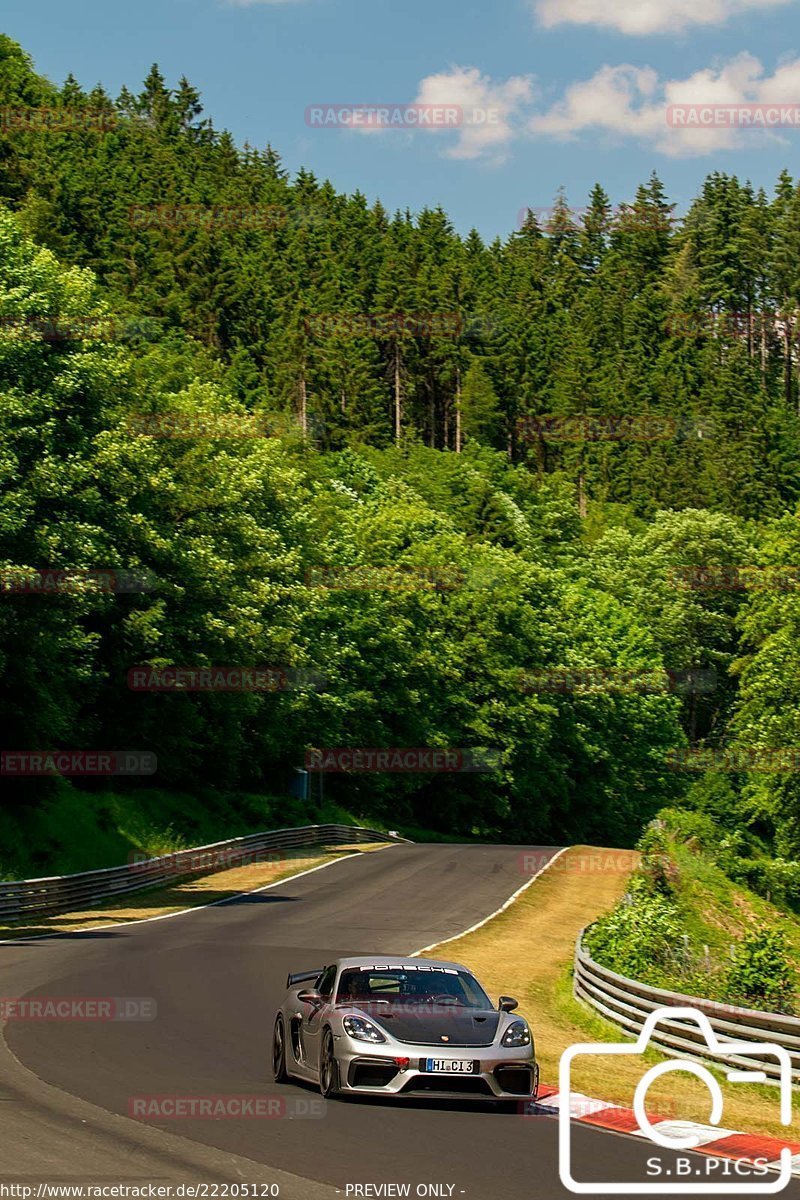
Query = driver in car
x=356 y=986
x=447 y=987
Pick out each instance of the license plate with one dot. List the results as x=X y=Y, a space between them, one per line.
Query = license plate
x=451 y=1066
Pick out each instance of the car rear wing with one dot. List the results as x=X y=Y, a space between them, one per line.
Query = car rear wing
x=302 y=977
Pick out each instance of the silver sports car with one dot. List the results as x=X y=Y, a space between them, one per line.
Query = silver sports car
x=386 y=1026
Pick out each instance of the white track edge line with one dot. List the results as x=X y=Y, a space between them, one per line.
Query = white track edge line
x=184 y=911
x=497 y=911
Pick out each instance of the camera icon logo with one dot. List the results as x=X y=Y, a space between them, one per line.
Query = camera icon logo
x=676 y=1135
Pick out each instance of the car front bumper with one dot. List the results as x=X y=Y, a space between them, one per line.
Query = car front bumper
x=502 y=1074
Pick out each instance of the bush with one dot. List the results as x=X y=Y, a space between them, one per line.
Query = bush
x=638 y=937
x=713 y=795
x=693 y=828
x=761 y=974
x=658 y=872
x=776 y=879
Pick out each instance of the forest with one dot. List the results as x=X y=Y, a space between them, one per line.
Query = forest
x=535 y=498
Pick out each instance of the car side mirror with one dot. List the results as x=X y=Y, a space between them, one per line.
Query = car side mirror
x=311 y=996
x=507 y=1004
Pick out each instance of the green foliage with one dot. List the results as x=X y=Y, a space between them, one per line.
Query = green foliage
x=685 y=891
x=774 y=878
x=768 y=715
x=658 y=873
x=761 y=974
x=480 y=404
x=638 y=938
x=695 y=829
x=568 y=548
x=741 y=856
x=716 y=796
x=232 y=530
x=74 y=830
x=591 y=320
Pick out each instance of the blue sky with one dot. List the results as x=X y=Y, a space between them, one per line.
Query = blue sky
x=569 y=92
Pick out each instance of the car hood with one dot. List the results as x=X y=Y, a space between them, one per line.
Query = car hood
x=443 y=1027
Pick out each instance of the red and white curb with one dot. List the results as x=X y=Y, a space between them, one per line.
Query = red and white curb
x=721 y=1143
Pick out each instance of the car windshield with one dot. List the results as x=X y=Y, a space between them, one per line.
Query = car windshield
x=411 y=986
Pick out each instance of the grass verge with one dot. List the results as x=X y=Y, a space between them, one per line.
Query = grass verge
x=717 y=913
x=63 y=829
x=527 y=951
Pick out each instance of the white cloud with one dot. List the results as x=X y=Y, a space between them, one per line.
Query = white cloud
x=630 y=102
x=492 y=113
x=480 y=119
x=646 y=16
x=484 y=116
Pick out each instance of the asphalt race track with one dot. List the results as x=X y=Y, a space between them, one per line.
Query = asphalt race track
x=217 y=976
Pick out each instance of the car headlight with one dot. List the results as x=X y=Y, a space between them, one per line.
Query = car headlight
x=362 y=1030
x=517 y=1034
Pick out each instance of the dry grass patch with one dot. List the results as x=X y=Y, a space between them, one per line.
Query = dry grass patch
x=527 y=952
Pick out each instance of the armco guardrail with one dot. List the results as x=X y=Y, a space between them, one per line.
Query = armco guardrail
x=65 y=893
x=628 y=1004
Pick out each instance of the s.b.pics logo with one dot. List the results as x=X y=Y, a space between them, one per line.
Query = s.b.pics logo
x=672 y=1172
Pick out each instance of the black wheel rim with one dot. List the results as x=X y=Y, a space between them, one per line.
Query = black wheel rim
x=277 y=1049
x=327 y=1065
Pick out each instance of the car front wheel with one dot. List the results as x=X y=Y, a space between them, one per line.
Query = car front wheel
x=328 y=1067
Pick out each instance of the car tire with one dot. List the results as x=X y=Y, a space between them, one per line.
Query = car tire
x=279 y=1072
x=328 y=1067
